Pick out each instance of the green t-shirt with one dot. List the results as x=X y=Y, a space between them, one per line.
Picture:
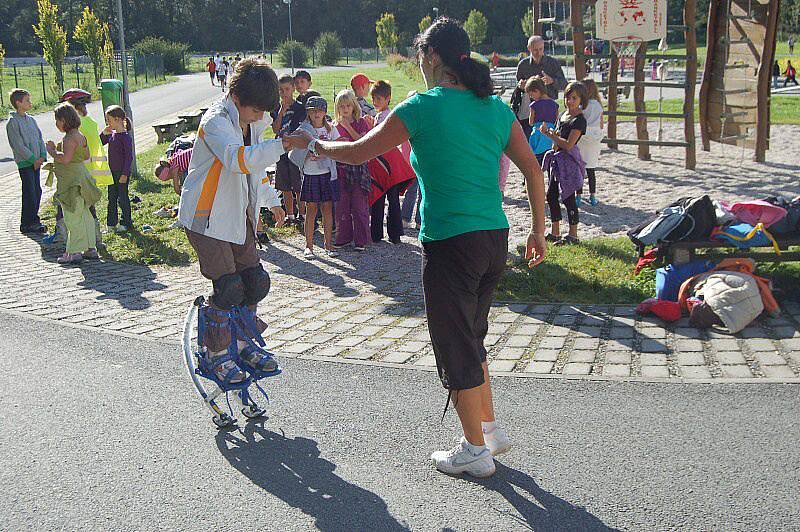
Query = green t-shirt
x=457 y=140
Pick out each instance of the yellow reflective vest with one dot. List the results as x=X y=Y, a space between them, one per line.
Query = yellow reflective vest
x=97 y=163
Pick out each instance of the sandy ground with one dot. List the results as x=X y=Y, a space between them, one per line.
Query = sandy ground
x=630 y=190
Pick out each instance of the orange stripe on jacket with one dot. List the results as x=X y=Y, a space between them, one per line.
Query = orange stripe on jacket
x=200 y=133
x=242 y=166
x=209 y=191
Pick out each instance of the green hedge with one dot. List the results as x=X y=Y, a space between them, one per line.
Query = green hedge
x=173 y=52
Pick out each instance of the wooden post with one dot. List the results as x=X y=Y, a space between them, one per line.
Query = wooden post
x=689 y=13
x=639 y=103
x=764 y=80
x=711 y=53
x=613 y=72
x=537 y=14
x=578 y=37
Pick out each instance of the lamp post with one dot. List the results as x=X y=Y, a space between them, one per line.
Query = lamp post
x=125 y=99
x=291 y=48
x=261 y=11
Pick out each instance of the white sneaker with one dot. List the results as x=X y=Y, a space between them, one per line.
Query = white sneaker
x=406 y=224
x=308 y=254
x=331 y=253
x=460 y=459
x=497 y=441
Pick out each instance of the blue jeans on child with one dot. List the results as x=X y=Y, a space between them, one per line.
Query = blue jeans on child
x=411 y=198
x=31 y=198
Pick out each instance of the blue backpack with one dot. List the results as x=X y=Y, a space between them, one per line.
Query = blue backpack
x=670 y=278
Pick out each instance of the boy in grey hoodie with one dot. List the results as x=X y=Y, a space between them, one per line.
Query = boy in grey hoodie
x=29 y=151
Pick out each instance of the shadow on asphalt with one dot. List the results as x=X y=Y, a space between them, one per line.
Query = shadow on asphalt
x=539 y=509
x=292 y=470
x=124 y=283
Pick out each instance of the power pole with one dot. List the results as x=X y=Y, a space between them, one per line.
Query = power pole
x=125 y=99
x=261 y=10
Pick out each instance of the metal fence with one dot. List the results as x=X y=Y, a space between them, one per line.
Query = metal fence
x=349 y=55
x=38 y=78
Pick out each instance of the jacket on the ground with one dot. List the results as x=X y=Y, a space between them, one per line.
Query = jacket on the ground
x=25 y=139
x=225 y=186
x=567 y=167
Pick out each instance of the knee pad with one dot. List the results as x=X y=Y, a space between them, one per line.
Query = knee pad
x=228 y=291
x=256 y=284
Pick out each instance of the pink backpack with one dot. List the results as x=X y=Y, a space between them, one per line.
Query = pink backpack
x=756 y=212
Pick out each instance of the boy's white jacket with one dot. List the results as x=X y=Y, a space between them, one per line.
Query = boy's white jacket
x=227 y=181
x=299 y=157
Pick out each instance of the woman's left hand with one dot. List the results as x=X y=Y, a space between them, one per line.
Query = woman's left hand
x=536 y=249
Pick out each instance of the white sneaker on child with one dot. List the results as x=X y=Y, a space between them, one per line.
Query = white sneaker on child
x=308 y=254
x=465 y=458
x=497 y=441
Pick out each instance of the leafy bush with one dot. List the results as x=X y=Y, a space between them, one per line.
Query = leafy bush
x=172 y=52
x=328 y=48
x=289 y=48
x=407 y=65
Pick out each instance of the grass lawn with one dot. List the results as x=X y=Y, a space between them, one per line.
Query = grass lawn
x=329 y=82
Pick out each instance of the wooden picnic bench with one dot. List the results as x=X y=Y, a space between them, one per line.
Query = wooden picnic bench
x=683 y=252
x=192 y=119
x=168 y=130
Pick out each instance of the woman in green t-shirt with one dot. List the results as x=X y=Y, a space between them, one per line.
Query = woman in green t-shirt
x=458 y=132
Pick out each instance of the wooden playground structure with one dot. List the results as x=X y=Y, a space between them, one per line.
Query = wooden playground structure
x=735 y=92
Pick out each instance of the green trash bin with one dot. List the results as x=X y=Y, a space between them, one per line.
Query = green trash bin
x=110 y=92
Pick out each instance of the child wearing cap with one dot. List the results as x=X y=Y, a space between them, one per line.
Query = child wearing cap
x=320 y=186
x=361 y=84
x=302 y=82
x=174 y=168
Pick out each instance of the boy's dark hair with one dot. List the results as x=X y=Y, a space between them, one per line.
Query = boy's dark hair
x=68 y=116
x=16 y=96
x=447 y=38
x=286 y=78
x=255 y=84
x=303 y=74
x=536 y=83
x=381 y=88
x=580 y=91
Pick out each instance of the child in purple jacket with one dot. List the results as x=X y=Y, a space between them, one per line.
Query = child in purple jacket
x=120 y=159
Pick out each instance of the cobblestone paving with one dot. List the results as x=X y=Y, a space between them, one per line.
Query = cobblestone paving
x=368 y=307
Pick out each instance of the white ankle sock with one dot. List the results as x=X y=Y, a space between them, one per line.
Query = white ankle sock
x=488 y=426
x=474 y=449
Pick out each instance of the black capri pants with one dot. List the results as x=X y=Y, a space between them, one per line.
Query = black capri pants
x=459 y=276
x=555 y=209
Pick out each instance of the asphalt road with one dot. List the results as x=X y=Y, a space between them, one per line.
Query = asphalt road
x=148 y=105
x=104 y=432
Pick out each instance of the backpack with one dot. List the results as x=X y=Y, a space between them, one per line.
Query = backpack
x=685 y=220
x=516 y=100
x=790 y=224
x=670 y=278
x=756 y=212
x=184 y=142
x=745 y=236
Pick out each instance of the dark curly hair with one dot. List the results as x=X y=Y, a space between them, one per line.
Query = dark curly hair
x=255 y=84
x=447 y=38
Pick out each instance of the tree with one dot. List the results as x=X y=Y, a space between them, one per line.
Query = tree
x=386 y=32
x=528 y=26
x=52 y=37
x=93 y=35
x=476 y=27
x=425 y=23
